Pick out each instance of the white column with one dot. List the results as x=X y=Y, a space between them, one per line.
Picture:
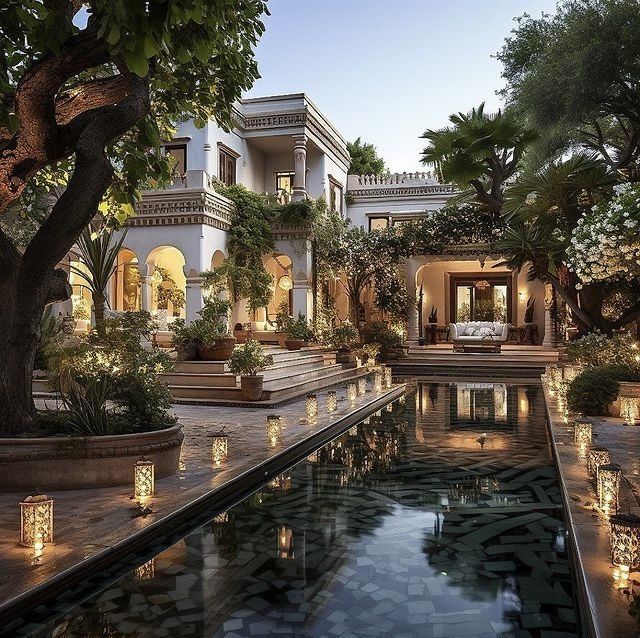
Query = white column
x=300 y=166
x=550 y=337
x=146 y=293
x=194 y=299
x=412 y=264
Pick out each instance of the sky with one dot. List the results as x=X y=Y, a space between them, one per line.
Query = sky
x=388 y=70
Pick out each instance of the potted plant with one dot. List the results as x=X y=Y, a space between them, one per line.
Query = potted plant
x=242 y=333
x=298 y=333
x=343 y=339
x=247 y=360
x=283 y=319
x=184 y=340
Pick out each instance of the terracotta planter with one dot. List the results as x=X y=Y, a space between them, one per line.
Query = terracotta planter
x=240 y=336
x=187 y=352
x=294 y=344
x=282 y=338
x=251 y=387
x=345 y=357
x=61 y=463
x=220 y=351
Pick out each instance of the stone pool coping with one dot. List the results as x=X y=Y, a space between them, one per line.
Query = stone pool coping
x=604 y=611
x=186 y=516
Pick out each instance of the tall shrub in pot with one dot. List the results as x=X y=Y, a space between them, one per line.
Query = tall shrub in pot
x=247 y=360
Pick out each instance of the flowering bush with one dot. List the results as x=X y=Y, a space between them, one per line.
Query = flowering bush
x=117 y=355
x=249 y=359
x=605 y=244
x=596 y=349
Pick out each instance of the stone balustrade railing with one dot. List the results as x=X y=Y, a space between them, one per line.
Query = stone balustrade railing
x=392 y=179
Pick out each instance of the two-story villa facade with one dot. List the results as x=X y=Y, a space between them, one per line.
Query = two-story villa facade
x=284 y=145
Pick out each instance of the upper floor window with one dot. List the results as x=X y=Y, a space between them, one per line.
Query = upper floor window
x=284 y=183
x=378 y=223
x=335 y=195
x=227 y=165
x=178 y=153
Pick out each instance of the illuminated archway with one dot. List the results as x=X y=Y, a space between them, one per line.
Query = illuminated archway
x=126 y=289
x=81 y=293
x=280 y=267
x=168 y=281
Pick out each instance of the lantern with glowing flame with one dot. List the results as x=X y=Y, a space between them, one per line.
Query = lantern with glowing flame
x=332 y=401
x=219 y=447
x=352 y=392
x=625 y=546
x=144 y=480
x=285 y=543
x=274 y=423
x=608 y=485
x=377 y=381
x=597 y=456
x=36 y=521
x=312 y=406
x=362 y=386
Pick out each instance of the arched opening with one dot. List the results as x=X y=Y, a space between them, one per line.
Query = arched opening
x=280 y=268
x=126 y=287
x=168 y=282
x=217 y=259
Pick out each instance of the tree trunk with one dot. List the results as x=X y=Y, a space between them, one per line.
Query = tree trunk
x=99 y=302
x=19 y=325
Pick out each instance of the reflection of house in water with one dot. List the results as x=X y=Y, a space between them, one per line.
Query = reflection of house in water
x=483 y=405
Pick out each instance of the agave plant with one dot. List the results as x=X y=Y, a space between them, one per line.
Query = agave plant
x=89 y=414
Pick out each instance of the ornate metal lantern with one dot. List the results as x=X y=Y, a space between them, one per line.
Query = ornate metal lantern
x=597 y=456
x=274 y=424
x=36 y=521
x=388 y=377
x=377 y=381
x=608 y=485
x=146 y=571
x=582 y=433
x=630 y=409
x=362 y=386
x=352 y=392
x=625 y=546
x=332 y=401
x=219 y=447
x=312 y=406
x=144 y=480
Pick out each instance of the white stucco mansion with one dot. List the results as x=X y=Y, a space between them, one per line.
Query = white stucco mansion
x=284 y=145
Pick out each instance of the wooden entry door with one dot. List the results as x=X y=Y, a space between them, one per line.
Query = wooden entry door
x=469 y=302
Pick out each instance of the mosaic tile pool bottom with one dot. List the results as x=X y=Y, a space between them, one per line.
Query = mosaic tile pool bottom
x=438 y=517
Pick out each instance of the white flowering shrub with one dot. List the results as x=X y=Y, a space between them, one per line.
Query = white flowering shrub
x=605 y=244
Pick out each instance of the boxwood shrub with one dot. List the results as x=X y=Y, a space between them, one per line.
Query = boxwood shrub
x=593 y=390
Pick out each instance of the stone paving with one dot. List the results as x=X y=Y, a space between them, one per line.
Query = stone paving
x=88 y=521
x=609 y=606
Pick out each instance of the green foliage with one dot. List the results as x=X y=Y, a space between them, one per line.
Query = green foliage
x=283 y=318
x=48 y=333
x=593 y=390
x=479 y=153
x=88 y=413
x=364 y=159
x=344 y=336
x=249 y=359
x=117 y=356
x=576 y=76
x=299 y=329
x=301 y=212
x=378 y=332
x=597 y=350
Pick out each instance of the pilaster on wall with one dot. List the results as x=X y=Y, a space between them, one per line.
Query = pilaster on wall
x=194 y=298
x=412 y=265
x=300 y=165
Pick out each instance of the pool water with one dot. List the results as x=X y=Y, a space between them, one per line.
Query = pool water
x=440 y=516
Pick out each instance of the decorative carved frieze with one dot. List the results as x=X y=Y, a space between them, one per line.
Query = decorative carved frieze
x=403 y=191
x=275 y=120
x=291 y=232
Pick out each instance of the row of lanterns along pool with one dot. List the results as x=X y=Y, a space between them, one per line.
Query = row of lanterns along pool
x=36 y=512
x=606 y=476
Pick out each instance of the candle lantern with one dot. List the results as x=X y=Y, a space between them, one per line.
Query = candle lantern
x=332 y=401
x=582 y=433
x=358 y=362
x=597 y=456
x=312 y=406
x=352 y=392
x=377 y=381
x=608 y=485
x=285 y=543
x=219 y=447
x=144 y=479
x=388 y=378
x=362 y=386
x=274 y=420
x=625 y=546
x=36 y=521
x=630 y=409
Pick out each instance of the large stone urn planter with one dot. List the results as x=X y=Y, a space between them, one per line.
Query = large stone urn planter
x=251 y=387
x=294 y=344
x=60 y=463
x=220 y=351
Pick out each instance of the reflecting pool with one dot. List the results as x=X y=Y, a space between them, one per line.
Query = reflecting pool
x=440 y=516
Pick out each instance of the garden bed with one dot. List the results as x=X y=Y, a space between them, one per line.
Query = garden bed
x=62 y=463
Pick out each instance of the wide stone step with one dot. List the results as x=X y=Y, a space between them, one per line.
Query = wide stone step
x=200 y=379
x=219 y=367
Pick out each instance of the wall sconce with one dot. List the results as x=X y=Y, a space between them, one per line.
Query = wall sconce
x=285 y=543
x=36 y=522
x=597 y=456
x=332 y=401
x=522 y=295
x=362 y=386
x=312 y=406
x=352 y=392
x=219 y=447
x=144 y=480
x=608 y=485
x=625 y=546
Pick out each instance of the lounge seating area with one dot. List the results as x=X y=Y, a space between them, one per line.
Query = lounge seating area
x=479 y=336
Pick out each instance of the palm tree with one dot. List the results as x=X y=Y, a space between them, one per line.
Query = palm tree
x=542 y=209
x=479 y=153
x=99 y=256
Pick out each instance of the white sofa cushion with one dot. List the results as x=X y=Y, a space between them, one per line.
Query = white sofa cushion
x=475 y=330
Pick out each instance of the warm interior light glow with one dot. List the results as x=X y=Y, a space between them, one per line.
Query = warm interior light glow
x=219 y=447
x=312 y=406
x=285 y=282
x=377 y=381
x=352 y=392
x=625 y=546
x=608 y=485
x=36 y=521
x=362 y=386
x=332 y=401
x=597 y=456
x=144 y=480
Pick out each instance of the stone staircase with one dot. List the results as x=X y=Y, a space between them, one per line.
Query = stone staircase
x=292 y=374
x=514 y=360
